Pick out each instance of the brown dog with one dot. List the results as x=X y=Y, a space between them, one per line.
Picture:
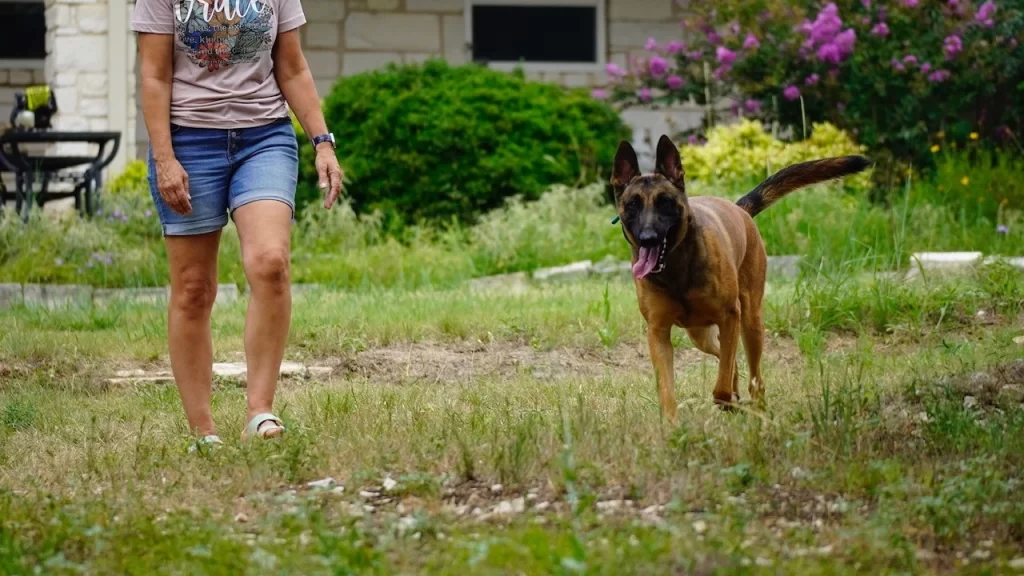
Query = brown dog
x=700 y=263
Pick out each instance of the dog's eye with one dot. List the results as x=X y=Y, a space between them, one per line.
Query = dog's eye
x=665 y=203
x=633 y=205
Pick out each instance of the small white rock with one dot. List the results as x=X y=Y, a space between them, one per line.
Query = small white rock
x=241 y=518
x=519 y=505
x=368 y=494
x=542 y=506
x=700 y=526
x=322 y=483
x=504 y=507
x=981 y=554
x=497 y=488
x=922 y=416
x=338 y=490
x=1017 y=563
x=389 y=484
x=763 y=562
x=1019 y=340
x=609 y=505
x=970 y=402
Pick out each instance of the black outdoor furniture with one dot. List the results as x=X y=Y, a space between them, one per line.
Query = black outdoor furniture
x=34 y=171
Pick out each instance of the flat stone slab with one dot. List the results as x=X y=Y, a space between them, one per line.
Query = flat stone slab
x=10 y=295
x=787 y=266
x=613 y=268
x=572 y=271
x=515 y=283
x=226 y=370
x=57 y=295
x=226 y=293
x=102 y=296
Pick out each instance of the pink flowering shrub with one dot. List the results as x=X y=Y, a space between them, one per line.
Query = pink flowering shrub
x=894 y=73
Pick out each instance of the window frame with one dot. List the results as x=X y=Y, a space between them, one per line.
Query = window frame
x=601 y=50
x=33 y=63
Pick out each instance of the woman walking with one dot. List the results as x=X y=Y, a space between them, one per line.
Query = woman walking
x=217 y=81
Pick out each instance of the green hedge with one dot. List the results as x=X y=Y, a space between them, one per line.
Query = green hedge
x=434 y=142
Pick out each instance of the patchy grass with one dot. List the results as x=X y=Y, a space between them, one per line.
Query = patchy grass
x=477 y=433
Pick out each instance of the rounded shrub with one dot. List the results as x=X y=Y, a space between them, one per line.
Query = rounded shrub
x=434 y=142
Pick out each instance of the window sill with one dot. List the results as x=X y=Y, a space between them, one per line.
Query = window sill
x=22 y=64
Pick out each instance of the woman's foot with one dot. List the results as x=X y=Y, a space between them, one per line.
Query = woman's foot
x=264 y=426
x=206 y=443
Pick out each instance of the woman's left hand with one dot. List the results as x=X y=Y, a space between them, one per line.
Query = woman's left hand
x=330 y=174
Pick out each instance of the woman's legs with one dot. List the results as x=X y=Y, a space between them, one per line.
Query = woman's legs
x=264 y=228
x=193 y=267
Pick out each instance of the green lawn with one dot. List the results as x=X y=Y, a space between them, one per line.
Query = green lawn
x=521 y=434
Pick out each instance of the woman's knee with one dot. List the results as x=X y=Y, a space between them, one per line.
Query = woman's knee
x=194 y=293
x=269 y=269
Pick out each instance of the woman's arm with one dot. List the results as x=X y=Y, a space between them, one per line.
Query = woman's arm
x=299 y=90
x=156 y=58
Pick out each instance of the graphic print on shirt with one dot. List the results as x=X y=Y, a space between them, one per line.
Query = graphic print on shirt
x=219 y=33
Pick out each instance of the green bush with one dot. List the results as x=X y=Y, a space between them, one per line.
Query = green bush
x=434 y=142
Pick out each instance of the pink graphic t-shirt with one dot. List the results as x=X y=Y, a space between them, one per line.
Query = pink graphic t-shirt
x=223 y=70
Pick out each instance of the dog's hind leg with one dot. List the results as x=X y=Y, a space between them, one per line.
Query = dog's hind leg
x=706 y=340
x=752 y=329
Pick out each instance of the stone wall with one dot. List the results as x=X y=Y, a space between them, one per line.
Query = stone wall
x=82 y=46
x=350 y=36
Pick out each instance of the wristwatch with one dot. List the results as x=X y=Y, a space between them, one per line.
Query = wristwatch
x=318 y=140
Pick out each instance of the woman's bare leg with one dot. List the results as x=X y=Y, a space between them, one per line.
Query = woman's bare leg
x=193 y=267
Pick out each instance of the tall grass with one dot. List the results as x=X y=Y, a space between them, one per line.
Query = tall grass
x=836 y=231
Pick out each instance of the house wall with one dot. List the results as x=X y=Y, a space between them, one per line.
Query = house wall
x=91 y=67
x=345 y=37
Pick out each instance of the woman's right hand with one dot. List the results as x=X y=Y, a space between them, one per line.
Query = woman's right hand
x=172 y=183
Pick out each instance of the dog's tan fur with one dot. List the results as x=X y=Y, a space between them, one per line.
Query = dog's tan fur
x=715 y=264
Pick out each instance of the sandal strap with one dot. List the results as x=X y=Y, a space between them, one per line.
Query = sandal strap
x=258 y=420
x=205 y=440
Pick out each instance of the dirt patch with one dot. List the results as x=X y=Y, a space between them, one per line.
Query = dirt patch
x=1001 y=386
x=443 y=363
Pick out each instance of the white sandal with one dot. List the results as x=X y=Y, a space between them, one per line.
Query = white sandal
x=272 y=430
x=205 y=443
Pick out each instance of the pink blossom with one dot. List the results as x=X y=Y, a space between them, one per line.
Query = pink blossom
x=812 y=79
x=952 y=46
x=675 y=47
x=695 y=55
x=614 y=70
x=599 y=94
x=866 y=3
x=752 y=106
x=734 y=28
x=644 y=94
x=911 y=3
x=910 y=59
x=881 y=29
x=725 y=56
x=651 y=45
x=926 y=68
x=657 y=66
x=985 y=13
x=939 y=76
x=751 y=42
x=826 y=25
x=713 y=37
x=791 y=93
x=897 y=65
x=675 y=82
x=829 y=53
x=845 y=41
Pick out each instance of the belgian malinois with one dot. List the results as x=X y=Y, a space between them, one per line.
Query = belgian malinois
x=700 y=263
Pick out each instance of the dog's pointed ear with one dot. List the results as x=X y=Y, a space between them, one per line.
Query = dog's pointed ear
x=626 y=167
x=668 y=163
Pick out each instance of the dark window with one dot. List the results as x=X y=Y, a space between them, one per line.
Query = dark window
x=24 y=35
x=514 y=33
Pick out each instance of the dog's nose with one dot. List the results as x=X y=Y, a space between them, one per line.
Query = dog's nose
x=648 y=238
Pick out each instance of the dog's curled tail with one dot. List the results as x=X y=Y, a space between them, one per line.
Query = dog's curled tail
x=798 y=176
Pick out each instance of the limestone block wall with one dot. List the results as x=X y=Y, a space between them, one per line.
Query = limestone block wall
x=91 y=69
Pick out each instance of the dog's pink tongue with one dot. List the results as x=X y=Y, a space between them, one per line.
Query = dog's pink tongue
x=646 y=261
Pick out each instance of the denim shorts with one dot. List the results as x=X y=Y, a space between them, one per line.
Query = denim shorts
x=228 y=169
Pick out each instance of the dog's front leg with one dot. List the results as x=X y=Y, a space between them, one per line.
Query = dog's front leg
x=729 y=341
x=659 y=339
